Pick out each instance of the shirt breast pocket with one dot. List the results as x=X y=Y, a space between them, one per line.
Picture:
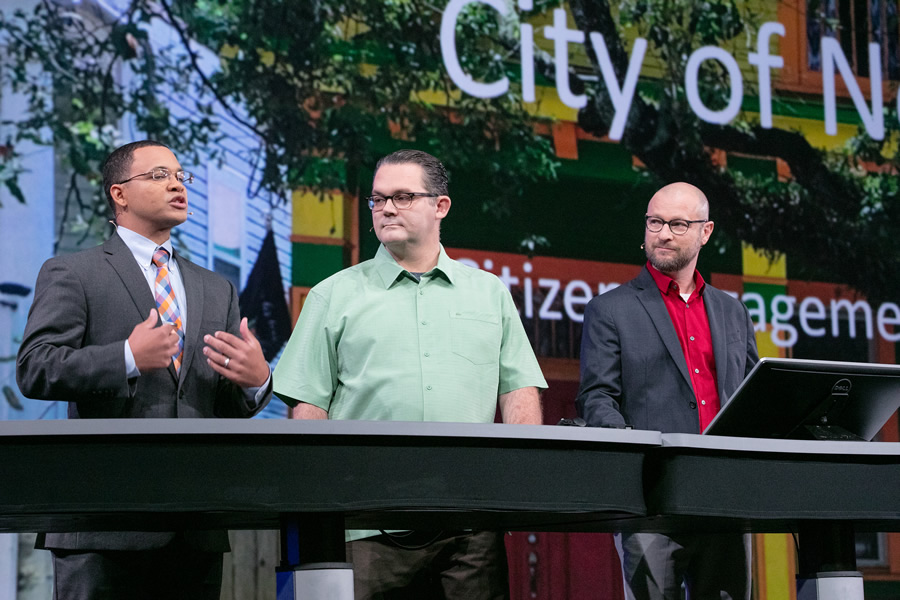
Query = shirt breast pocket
x=475 y=336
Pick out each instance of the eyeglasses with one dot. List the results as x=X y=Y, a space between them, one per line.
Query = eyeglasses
x=676 y=226
x=162 y=174
x=401 y=200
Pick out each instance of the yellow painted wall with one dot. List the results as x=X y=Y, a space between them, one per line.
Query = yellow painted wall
x=319 y=215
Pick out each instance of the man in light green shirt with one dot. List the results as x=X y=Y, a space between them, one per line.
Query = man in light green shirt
x=412 y=335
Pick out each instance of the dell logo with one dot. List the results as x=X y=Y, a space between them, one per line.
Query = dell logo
x=841 y=387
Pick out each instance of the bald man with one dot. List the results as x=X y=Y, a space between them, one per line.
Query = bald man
x=662 y=353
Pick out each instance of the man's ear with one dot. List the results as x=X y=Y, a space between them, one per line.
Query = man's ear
x=117 y=193
x=443 y=206
x=707 y=231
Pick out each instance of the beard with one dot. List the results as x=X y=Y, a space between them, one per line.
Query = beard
x=676 y=262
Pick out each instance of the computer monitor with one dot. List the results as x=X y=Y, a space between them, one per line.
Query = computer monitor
x=785 y=398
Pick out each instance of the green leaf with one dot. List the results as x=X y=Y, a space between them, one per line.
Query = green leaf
x=14 y=189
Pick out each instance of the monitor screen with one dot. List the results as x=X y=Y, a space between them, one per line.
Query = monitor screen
x=785 y=398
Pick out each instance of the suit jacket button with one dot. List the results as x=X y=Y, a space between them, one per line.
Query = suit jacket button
x=181 y=394
x=693 y=405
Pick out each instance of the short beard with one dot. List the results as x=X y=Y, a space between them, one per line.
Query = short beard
x=670 y=265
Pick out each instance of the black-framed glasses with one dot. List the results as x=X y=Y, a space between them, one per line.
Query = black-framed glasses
x=400 y=200
x=676 y=226
x=162 y=174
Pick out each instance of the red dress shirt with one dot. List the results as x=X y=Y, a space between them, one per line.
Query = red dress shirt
x=692 y=326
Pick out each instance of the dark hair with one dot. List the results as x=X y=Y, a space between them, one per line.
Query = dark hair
x=435 y=175
x=117 y=165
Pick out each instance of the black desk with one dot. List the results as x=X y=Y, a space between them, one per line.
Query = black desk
x=311 y=479
x=821 y=490
x=774 y=485
x=321 y=476
x=149 y=474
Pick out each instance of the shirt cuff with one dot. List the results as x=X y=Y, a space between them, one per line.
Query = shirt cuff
x=131 y=370
x=255 y=395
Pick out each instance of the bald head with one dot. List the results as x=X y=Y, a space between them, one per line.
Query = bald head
x=678 y=226
x=683 y=196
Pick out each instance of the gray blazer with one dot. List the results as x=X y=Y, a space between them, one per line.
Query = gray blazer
x=85 y=306
x=633 y=369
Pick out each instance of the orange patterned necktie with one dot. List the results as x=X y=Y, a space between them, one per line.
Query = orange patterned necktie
x=165 y=300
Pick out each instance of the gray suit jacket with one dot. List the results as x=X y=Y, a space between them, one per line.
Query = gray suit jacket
x=85 y=306
x=633 y=369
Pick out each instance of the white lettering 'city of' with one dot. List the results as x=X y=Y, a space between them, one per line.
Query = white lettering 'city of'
x=621 y=93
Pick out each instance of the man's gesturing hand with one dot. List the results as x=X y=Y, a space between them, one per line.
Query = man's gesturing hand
x=240 y=359
x=153 y=347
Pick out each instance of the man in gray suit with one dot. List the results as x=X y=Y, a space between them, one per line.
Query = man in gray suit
x=130 y=329
x=662 y=353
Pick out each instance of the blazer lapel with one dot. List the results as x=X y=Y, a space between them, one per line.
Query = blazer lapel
x=715 y=312
x=193 y=291
x=122 y=261
x=653 y=303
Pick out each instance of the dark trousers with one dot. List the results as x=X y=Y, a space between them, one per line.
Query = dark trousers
x=176 y=572
x=467 y=566
x=712 y=566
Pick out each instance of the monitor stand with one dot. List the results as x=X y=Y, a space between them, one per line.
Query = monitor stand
x=834 y=433
x=819 y=424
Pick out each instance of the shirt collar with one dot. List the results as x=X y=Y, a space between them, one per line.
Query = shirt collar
x=141 y=247
x=667 y=284
x=390 y=270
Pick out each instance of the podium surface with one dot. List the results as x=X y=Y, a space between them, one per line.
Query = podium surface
x=161 y=474
x=320 y=477
x=765 y=485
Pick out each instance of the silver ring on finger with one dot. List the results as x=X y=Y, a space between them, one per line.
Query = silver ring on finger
x=227 y=360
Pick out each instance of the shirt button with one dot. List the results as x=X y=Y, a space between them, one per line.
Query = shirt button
x=427 y=387
x=427 y=354
x=423 y=322
x=421 y=293
x=696 y=370
x=686 y=305
x=703 y=402
x=692 y=338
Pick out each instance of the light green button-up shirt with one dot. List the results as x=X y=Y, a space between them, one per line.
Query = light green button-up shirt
x=373 y=343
